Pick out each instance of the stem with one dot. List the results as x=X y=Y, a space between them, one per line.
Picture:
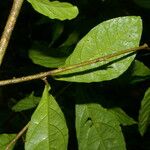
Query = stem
x=17 y=137
x=9 y=27
x=71 y=67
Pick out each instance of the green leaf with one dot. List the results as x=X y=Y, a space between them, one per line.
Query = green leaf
x=140 y=69
x=26 y=103
x=143 y=3
x=144 y=113
x=106 y=38
x=47 y=129
x=41 y=54
x=137 y=72
x=122 y=117
x=5 y=139
x=97 y=128
x=140 y=72
x=40 y=58
x=55 y=9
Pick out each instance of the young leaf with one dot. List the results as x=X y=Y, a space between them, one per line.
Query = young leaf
x=143 y=3
x=26 y=103
x=47 y=129
x=5 y=139
x=106 y=38
x=122 y=117
x=97 y=128
x=144 y=113
x=55 y=9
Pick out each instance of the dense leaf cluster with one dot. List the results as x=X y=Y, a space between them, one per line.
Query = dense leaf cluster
x=104 y=105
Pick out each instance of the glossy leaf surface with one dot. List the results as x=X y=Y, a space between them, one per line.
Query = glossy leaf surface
x=106 y=38
x=47 y=128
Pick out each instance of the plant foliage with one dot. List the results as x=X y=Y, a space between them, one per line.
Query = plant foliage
x=47 y=128
x=99 y=42
x=55 y=10
x=97 y=108
x=144 y=114
x=97 y=128
x=5 y=139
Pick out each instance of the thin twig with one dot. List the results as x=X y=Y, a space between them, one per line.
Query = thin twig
x=71 y=67
x=9 y=27
x=17 y=137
